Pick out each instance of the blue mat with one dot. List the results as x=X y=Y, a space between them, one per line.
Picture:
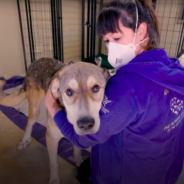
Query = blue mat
x=65 y=148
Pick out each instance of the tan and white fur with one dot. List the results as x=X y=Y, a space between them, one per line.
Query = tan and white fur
x=78 y=87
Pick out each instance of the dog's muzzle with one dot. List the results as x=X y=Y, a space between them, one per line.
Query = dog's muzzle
x=86 y=123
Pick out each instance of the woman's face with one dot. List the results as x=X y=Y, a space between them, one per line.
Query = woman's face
x=124 y=37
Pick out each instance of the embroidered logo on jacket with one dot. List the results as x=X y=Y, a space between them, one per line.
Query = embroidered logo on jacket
x=166 y=91
x=176 y=105
x=104 y=103
x=175 y=123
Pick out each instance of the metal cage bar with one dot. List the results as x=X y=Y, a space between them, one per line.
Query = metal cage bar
x=88 y=29
x=82 y=29
x=92 y=31
x=30 y=31
x=22 y=36
x=54 y=35
x=181 y=42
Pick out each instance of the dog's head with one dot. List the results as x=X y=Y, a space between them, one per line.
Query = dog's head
x=80 y=89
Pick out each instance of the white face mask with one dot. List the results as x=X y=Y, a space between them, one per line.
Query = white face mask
x=119 y=54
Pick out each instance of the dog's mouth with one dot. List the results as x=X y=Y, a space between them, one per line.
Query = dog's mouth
x=86 y=132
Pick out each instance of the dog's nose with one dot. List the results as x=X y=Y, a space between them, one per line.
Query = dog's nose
x=86 y=123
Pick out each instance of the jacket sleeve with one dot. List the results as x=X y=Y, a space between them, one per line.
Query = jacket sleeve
x=118 y=110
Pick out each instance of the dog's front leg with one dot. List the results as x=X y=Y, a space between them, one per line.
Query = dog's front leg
x=77 y=156
x=52 y=138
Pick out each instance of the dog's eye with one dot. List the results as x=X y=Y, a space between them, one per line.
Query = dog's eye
x=69 y=92
x=95 y=88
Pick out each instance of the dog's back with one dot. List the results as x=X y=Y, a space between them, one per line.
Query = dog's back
x=40 y=73
x=37 y=79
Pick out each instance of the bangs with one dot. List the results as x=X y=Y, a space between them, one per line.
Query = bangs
x=108 y=22
x=124 y=11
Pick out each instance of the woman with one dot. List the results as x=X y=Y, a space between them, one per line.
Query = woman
x=141 y=130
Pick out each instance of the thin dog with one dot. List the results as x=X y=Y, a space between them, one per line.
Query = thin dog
x=78 y=87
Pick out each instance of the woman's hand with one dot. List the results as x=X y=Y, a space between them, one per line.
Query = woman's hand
x=51 y=104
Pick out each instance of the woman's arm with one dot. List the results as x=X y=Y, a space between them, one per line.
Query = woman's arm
x=118 y=110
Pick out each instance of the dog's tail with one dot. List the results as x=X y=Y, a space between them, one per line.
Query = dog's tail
x=10 y=99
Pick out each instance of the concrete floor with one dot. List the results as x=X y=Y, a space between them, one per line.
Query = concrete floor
x=30 y=166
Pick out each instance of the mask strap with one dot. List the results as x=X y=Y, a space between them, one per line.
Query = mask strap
x=142 y=41
x=136 y=23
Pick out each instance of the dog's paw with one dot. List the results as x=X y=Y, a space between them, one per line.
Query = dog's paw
x=23 y=144
x=54 y=180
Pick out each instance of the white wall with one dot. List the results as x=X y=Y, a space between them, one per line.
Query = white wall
x=11 y=53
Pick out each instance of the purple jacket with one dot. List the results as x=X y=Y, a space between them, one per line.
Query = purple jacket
x=141 y=135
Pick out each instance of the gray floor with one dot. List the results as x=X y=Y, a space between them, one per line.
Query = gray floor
x=30 y=166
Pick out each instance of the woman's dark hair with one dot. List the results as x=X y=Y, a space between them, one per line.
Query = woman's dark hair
x=125 y=11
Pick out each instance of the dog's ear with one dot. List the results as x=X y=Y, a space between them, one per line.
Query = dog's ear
x=106 y=73
x=98 y=61
x=55 y=91
x=55 y=88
